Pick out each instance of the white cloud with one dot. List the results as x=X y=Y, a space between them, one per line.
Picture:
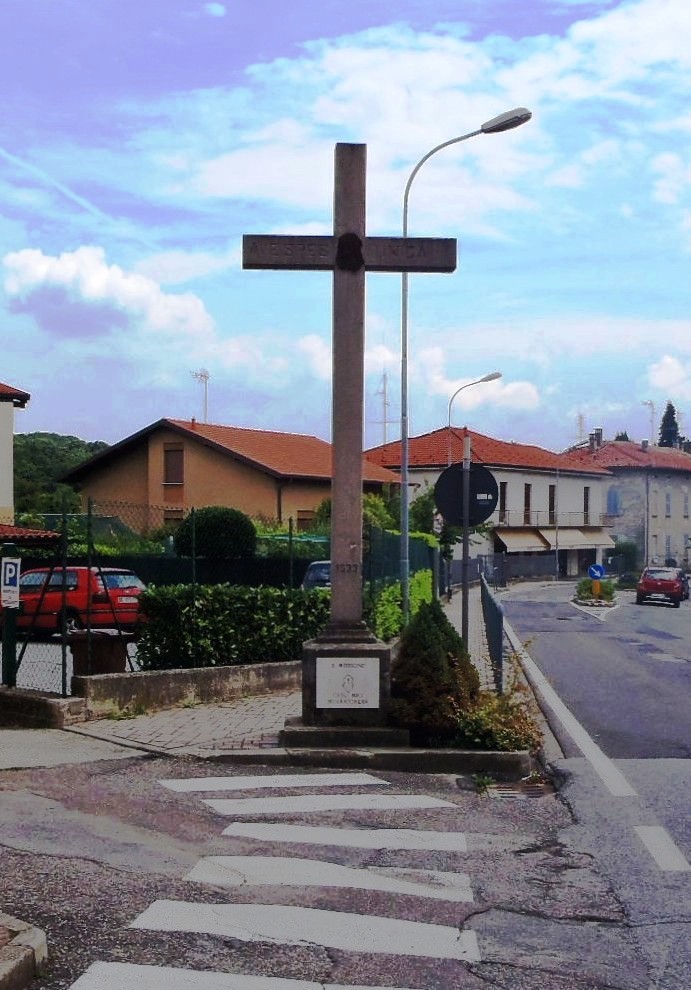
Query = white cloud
x=84 y=276
x=672 y=377
x=674 y=178
x=430 y=368
x=318 y=355
x=215 y=9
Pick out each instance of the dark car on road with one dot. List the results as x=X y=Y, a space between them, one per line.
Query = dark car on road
x=663 y=584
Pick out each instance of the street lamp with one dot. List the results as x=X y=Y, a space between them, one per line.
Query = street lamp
x=492 y=376
x=504 y=122
x=465 y=489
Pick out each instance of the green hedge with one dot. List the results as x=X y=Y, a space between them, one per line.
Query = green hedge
x=220 y=625
x=224 y=624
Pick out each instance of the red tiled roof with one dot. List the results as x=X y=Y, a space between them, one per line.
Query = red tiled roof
x=292 y=455
x=283 y=455
x=14 y=395
x=444 y=446
x=629 y=454
x=21 y=535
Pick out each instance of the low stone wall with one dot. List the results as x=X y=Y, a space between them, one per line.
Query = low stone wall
x=105 y=694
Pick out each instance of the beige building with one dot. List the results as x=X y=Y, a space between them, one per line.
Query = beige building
x=174 y=465
x=648 y=495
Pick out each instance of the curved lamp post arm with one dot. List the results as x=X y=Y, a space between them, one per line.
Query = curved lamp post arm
x=504 y=122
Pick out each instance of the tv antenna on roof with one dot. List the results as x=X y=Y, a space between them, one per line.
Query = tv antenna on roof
x=203 y=376
x=651 y=405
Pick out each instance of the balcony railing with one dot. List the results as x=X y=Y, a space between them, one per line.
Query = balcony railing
x=543 y=518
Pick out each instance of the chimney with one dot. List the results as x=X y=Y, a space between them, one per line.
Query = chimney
x=644 y=444
x=591 y=443
x=598 y=437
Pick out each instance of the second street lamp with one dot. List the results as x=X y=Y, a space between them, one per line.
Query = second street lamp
x=465 y=563
x=504 y=122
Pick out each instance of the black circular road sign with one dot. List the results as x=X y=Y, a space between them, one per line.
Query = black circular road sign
x=448 y=494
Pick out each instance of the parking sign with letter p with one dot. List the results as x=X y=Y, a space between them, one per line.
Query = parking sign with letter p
x=9 y=594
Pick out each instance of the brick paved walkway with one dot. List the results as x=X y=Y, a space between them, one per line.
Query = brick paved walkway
x=253 y=722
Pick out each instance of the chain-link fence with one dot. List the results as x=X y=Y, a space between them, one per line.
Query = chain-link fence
x=79 y=600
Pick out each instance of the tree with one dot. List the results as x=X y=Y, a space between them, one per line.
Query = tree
x=39 y=460
x=622 y=435
x=219 y=533
x=669 y=428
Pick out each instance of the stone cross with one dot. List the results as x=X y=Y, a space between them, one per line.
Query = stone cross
x=349 y=254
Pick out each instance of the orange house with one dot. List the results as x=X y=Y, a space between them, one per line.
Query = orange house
x=174 y=465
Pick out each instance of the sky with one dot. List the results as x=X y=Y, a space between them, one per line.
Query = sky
x=140 y=140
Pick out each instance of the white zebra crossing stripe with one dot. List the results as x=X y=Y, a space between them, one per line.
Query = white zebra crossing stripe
x=324 y=802
x=280 y=925
x=188 y=785
x=258 y=871
x=125 y=976
x=357 y=838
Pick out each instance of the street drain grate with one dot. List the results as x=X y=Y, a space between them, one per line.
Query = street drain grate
x=523 y=789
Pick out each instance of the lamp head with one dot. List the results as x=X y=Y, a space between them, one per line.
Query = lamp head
x=507 y=121
x=492 y=376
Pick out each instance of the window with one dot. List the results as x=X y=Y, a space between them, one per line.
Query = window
x=173 y=465
x=686 y=505
x=668 y=547
x=668 y=504
x=586 y=504
x=502 y=500
x=653 y=502
x=527 y=495
x=173 y=517
x=613 y=502
x=305 y=518
x=552 y=504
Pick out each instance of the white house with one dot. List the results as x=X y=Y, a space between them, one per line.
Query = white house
x=10 y=399
x=550 y=509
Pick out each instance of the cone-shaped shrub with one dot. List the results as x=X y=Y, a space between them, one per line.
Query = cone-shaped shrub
x=432 y=677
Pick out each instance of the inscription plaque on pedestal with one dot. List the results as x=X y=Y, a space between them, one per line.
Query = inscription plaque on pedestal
x=347 y=682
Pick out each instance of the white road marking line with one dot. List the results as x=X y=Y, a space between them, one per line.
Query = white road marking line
x=324 y=802
x=124 y=976
x=358 y=838
x=259 y=871
x=662 y=848
x=611 y=776
x=190 y=784
x=280 y=925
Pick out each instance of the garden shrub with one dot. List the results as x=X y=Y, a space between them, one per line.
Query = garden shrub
x=432 y=677
x=219 y=533
x=584 y=590
x=384 y=614
x=219 y=625
x=497 y=722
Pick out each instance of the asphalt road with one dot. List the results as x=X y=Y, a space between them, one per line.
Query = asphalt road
x=122 y=871
x=625 y=673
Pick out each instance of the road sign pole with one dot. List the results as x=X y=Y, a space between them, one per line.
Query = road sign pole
x=465 y=577
x=10 y=577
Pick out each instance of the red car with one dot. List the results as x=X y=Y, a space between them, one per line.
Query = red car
x=99 y=597
x=660 y=584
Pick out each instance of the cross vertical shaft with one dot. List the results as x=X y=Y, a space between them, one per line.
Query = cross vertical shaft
x=348 y=393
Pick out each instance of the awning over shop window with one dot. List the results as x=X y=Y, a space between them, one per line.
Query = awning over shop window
x=521 y=540
x=566 y=538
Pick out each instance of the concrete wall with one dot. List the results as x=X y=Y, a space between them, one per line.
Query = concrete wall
x=106 y=694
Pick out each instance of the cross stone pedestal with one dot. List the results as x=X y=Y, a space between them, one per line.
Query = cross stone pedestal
x=345 y=694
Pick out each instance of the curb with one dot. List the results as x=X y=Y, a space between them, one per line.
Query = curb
x=505 y=766
x=23 y=955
